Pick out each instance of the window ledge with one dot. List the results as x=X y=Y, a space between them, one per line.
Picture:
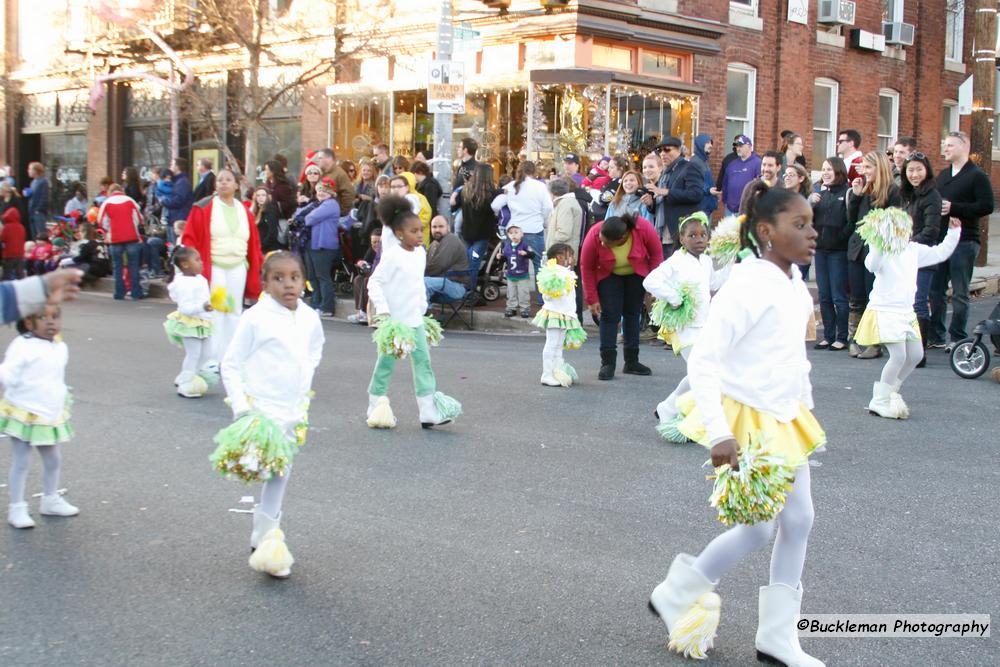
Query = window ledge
x=831 y=39
x=894 y=52
x=996 y=154
x=743 y=19
x=666 y=6
x=954 y=66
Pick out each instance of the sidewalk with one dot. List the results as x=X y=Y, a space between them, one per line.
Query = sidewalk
x=489 y=317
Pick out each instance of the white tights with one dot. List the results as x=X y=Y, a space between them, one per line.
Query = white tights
x=552 y=353
x=903 y=358
x=668 y=408
x=789 y=553
x=19 y=469
x=272 y=494
x=196 y=353
x=224 y=324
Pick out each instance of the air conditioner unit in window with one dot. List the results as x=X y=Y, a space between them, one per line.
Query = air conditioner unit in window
x=836 y=11
x=900 y=34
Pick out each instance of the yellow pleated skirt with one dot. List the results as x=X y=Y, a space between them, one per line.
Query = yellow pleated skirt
x=879 y=326
x=794 y=440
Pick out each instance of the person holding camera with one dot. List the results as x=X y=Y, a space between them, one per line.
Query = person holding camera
x=360 y=282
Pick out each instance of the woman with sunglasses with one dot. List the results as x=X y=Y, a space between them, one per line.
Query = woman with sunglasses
x=923 y=202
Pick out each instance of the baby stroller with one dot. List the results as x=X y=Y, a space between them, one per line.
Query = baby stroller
x=491 y=273
x=971 y=356
x=352 y=248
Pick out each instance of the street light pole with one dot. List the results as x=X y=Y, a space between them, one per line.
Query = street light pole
x=443 y=122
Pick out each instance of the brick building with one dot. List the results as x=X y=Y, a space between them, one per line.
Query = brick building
x=543 y=77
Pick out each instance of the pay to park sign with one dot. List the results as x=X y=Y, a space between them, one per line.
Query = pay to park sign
x=446 y=87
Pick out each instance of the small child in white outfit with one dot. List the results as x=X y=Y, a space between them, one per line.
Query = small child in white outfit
x=190 y=326
x=557 y=317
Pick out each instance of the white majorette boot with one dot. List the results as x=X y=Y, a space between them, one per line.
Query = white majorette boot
x=55 y=505
x=267 y=545
x=437 y=409
x=881 y=403
x=897 y=402
x=685 y=603
x=380 y=412
x=548 y=364
x=18 y=516
x=777 y=632
x=191 y=385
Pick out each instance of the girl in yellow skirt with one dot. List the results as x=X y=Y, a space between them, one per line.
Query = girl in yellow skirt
x=557 y=317
x=189 y=327
x=34 y=412
x=750 y=377
x=890 y=320
x=684 y=283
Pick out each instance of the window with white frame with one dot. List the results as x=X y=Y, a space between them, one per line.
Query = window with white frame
x=825 y=100
x=954 y=30
x=892 y=11
x=888 y=118
x=996 y=114
x=741 y=96
x=949 y=118
x=749 y=6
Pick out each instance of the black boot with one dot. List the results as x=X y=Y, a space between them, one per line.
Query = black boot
x=924 y=327
x=632 y=365
x=609 y=359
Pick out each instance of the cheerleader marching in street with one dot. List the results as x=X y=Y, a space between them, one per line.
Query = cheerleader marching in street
x=268 y=371
x=189 y=327
x=396 y=290
x=890 y=320
x=557 y=317
x=683 y=286
x=752 y=398
x=35 y=412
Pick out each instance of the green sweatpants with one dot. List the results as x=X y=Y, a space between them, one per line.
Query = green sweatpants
x=420 y=362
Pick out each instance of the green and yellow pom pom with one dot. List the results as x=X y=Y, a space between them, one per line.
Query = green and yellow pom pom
x=394 y=338
x=254 y=448
x=725 y=244
x=432 y=328
x=575 y=338
x=222 y=301
x=754 y=493
x=888 y=230
x=665 y=316
x=555 y=280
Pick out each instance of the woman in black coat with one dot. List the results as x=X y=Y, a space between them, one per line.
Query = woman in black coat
x=875 y=190
x=265 y=212
x=923 y=202
x=479 y=222
x=830 y=220
x=427 y=185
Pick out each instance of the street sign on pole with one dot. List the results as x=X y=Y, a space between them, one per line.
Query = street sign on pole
x=467 y=39
x=446 y=87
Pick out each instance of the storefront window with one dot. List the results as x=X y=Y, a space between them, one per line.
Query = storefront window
x=640 y=118
x=569 y=118
x=358 y=122
x=147 y=148
x=65 y=160
x=280 y=136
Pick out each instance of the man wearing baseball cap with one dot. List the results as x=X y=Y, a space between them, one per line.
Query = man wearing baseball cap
x=676 y=195
x=740 y=171
x=571 y=168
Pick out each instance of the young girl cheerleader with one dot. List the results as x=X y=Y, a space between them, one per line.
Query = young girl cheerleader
x=35 y=411
x=750 y=384
x=683 y=285
x=557 y=285
x=268 y=371
x=188 y=327
x=890 y=320
x=396 y=289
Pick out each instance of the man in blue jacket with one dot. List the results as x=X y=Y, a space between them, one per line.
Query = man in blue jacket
x=178 y=203
x=739 y=172
x=678 y=193
x=702 y=150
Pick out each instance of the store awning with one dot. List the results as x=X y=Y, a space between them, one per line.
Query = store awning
x=586 y=76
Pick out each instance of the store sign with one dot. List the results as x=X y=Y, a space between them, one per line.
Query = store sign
x=798 y=11
x=446 y=87
x=467 y=39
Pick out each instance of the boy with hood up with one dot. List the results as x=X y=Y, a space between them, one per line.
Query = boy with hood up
x=702 y=150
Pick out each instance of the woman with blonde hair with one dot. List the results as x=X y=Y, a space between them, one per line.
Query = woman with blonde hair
x=795 y=177
x=628 y=198
x=875 y=188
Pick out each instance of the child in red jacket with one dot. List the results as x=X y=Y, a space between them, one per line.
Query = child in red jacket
x=12 y=239
x=40 y=255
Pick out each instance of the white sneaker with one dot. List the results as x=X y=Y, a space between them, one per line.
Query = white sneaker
x=358 y=318
x=18 y=516
x=56 y=506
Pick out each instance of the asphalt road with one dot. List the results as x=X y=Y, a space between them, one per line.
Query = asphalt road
x=529 y=533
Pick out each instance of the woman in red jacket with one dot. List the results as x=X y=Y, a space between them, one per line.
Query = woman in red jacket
x=617 y=254
x=12 y=238
x=224 y=234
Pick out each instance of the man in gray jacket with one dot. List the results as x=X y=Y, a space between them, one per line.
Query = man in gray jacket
x=446 y=254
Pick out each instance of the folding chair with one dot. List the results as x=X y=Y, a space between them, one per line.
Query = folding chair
x=449 y=307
